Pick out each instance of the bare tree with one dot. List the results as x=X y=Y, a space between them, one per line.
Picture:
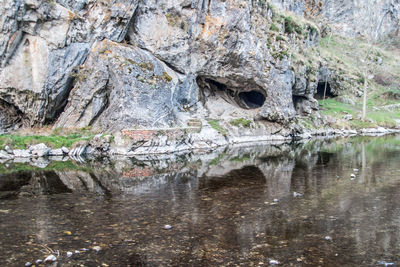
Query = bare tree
x=374 y=40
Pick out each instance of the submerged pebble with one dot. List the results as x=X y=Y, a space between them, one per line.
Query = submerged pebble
x=385 y=263
x=273 y=262
x=329 y=238
x=39 y=261
x=28 y=264
x=69 y=254
x=50 y=258
x=295 y=194
x=167 y=227
x=96 y=248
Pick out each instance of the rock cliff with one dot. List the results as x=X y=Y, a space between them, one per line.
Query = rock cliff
x=116 y=65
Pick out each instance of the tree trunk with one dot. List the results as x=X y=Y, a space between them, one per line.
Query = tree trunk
x=364 y=108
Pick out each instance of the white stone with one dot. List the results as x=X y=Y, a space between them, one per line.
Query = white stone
x=4 y=155
x=295 y=194
x=8 y=149
x=56 y=152
x=40 y=146
x=21 y=153
x=65 y=150
x=50 y=258
x=39 y=150
x=274 y=262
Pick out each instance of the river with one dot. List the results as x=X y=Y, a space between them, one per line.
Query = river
x=328 y=202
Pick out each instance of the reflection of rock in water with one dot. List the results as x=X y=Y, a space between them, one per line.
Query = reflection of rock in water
x=10 y=184
x=278 y=175
x=247 y=176
x=46 y=182
x=220 y=207
x=284 y=169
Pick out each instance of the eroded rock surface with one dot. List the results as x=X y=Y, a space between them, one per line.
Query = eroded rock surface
x=117 y=65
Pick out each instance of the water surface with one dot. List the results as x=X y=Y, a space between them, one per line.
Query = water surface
x=296 y=204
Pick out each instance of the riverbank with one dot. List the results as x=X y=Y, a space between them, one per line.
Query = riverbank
x=151 y=142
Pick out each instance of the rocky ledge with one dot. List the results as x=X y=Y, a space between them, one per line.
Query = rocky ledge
x=133 y=143
x=184 y=74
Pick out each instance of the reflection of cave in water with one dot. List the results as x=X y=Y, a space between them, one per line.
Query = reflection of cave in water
x=247 y=176
x=324 y=157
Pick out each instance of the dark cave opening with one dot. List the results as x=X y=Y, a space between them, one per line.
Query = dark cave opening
x=321 y=89
x=240 y=96
x=216 y=85
x=297 y=100
x=10 y=116
x=252 y=99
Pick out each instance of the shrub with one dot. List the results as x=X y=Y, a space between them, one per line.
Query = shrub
x=291 y=26
x=274 y=28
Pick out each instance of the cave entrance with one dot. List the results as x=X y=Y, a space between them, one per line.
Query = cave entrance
x=297 y=100
x=216 y=85
x=252 y=99
x=236 y=95
x=321 y=89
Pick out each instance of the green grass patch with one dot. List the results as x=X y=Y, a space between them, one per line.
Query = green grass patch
x=240 y=122
x=274 y=28
x=53 y=141
x=215 y=125
x=216 y=160
x=384 y=118
x=331 y=107
x=241 y=158
x=374 y=118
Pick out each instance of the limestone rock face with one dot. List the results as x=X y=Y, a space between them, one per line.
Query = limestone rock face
x=352 y=18
x=42 y=43
x=125 y=64
x=361 y=18
x=120 y=86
